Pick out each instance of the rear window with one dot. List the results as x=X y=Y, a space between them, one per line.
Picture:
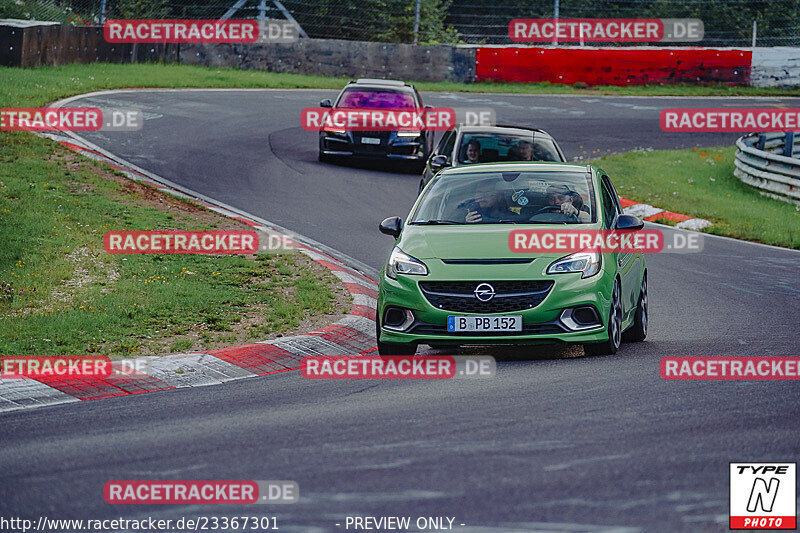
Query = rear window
x=376 y=99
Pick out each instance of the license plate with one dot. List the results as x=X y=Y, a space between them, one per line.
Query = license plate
x=484 y=323
x=370 y=140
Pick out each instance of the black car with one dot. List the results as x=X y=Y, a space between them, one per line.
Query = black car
x=466 y=145
x=412 y=147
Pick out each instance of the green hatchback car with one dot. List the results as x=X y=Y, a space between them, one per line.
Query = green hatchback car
x=452 y=278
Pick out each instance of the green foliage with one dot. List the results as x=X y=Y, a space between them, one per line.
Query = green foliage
x=33 y=10
x=374 y=20
x=699 y=182
x=139 y=9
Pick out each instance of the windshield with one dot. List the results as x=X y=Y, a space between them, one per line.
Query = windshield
x=493 y=147
x=541 y=197
x=376 y=99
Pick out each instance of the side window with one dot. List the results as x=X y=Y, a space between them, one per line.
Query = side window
x=442 y=142
x=449 y=144
x=545 y=150
x=609 y=204
x=614 y=195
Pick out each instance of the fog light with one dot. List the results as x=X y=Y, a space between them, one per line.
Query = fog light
x=397 y=319
x=580 y=318
x=585 y=315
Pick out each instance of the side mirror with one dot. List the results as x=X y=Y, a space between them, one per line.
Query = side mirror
x=629 y=222
x=438 y=162
x=326 y=103
x=391 y=226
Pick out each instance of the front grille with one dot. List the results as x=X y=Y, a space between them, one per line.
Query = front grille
x=404 y=149
x=422 y=328
x=368 y=149
x=459 y=296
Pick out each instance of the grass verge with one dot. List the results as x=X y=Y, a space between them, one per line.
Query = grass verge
x=61 y=293
x=38 y=86
x=700 y=182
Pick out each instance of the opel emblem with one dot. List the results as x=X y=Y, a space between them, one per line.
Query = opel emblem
x=484 y=292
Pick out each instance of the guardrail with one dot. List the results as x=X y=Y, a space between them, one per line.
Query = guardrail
x=770 y=162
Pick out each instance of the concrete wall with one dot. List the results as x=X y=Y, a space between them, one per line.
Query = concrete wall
x=331 y=57
x=775 y=67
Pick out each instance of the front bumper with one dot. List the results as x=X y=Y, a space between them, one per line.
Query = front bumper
x=541 y=324
x=400 y=148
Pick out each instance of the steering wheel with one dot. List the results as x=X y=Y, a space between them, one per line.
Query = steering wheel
x=548 y=208
x=553 y=210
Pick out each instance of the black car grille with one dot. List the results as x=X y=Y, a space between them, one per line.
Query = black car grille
x=422 y=328
x=459 y=296
x=360 y=147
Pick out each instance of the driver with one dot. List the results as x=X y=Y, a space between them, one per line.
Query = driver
x=562 y=196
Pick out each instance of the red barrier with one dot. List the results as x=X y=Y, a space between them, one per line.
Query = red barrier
x=613 y=66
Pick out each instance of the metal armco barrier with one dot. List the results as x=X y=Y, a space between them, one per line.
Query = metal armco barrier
x=769 y=162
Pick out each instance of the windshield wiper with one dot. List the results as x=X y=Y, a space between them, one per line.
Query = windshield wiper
x=435 y=222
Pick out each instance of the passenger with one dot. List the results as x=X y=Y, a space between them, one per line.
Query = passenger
x=473 y=152
x=562 y=196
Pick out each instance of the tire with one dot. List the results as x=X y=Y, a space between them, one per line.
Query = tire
x=610 y=346
x=389 y=348
x=638 y=331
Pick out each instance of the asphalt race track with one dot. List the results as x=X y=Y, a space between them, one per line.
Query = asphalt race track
x=556 y=442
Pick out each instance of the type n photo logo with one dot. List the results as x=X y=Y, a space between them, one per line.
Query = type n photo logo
x=763 y=496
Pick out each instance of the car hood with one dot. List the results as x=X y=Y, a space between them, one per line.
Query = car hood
x=478 y=241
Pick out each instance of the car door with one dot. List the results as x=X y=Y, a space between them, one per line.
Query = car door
x=626 y=261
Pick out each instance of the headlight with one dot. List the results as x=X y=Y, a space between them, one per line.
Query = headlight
x=408 y=133
x=333 y=129
x=586 y=262
x=401 y=263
